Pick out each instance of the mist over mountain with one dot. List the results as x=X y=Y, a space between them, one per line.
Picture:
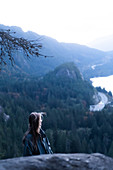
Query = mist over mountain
x=104 y=43
x=91 y=62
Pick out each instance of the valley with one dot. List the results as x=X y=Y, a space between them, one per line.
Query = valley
x=61 y=87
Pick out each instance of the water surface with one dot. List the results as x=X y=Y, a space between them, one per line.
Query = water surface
x=103 y=82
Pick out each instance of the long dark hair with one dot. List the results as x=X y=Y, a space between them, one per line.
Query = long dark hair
x=34 y=126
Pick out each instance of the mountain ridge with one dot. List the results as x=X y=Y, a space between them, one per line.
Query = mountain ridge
x=83 y=56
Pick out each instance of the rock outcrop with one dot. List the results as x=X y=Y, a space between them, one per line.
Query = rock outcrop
x=94 y=161
x=68 y=70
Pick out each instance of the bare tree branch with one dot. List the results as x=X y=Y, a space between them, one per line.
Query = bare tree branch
x=10 y=43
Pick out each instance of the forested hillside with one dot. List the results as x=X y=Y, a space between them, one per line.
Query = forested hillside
x=65 y=96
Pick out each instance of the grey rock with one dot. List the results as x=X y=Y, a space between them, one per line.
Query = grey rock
x=94 y=161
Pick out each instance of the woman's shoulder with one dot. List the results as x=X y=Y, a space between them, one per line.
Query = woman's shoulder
x=29 y=136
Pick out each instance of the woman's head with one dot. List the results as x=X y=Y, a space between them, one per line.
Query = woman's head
x=35 y=121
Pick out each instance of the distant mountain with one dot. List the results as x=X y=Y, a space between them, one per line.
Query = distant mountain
x=104 y=43
x=88 y=60
x=67 y=79
x=67 y=70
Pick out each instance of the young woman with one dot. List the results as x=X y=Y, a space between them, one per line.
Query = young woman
x=35 y=140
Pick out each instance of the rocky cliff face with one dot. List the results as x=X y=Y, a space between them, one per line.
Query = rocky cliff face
x=68 y=70
x=59 y=162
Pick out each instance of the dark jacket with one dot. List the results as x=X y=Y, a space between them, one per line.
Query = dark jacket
x=43 y=145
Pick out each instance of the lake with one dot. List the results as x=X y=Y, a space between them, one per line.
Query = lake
x=103 y=82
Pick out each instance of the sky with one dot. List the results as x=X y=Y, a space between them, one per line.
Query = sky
x=73 y=21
